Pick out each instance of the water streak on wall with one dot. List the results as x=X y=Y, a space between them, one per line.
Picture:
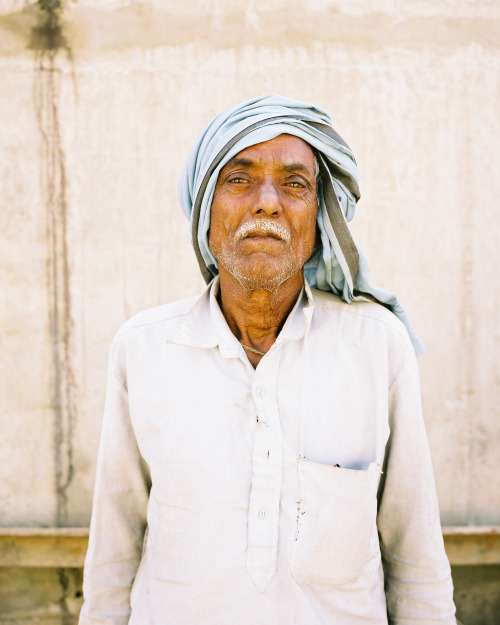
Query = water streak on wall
x=47 y=40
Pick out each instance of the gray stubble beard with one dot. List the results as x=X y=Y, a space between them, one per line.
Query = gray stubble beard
x=230 y=259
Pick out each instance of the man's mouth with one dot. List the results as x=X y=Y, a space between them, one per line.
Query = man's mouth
x=258 y=234
x=263 y=229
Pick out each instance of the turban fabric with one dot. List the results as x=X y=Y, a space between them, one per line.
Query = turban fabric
x=338 y=265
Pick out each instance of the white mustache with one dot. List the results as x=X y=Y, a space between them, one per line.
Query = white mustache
x=262 y=226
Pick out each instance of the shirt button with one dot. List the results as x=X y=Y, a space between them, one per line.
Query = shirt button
x=260 y=391
x=263 y=514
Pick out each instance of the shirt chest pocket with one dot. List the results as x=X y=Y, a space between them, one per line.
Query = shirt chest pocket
x=336 y=540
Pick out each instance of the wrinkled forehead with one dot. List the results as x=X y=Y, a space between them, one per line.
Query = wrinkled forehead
x=285 y=153
x=285 y=146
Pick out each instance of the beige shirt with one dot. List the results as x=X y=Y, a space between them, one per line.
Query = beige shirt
x=219 y=498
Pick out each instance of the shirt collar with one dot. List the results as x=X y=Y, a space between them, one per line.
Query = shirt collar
x=196 y=328
x=204 y=325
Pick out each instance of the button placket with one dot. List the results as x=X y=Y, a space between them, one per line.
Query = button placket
x=267 y=467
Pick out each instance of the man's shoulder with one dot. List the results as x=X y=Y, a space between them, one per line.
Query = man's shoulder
x=167 y=317
x=363 y=312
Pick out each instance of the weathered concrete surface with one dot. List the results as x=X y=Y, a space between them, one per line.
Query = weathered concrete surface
x=61 y=547
x=40 y=596
x=93 y=136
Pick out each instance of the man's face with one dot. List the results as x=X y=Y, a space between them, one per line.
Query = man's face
x=263 y=215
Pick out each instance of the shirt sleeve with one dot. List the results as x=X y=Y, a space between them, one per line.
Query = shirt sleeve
x=118 y=522
x=418 y=583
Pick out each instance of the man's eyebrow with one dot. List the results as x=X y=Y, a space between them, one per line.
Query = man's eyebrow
x=243 y=162
x=296 y=167
x=247 y=162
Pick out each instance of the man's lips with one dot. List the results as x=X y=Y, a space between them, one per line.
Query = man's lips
x=263 y=236
x=263 y=230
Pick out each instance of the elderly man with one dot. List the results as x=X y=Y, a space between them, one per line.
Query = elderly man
x=263 y=458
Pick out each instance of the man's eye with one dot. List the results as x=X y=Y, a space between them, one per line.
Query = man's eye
x=295 y=185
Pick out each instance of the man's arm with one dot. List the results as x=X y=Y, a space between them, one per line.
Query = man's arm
x=418 y=581
x=119 y=510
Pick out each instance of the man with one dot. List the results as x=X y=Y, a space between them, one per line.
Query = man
x=263 y=457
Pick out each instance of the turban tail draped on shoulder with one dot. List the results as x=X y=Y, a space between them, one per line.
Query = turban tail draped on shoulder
x=338 y=265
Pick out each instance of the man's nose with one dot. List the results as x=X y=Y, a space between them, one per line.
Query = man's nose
x=267 y=202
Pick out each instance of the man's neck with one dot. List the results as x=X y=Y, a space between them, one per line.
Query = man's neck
x=256 y=317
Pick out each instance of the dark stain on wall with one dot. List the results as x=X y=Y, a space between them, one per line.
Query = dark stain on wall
x=64 y=582
x=47 y=42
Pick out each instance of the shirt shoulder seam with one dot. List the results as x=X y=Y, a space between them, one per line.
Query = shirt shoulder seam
x=395 y=326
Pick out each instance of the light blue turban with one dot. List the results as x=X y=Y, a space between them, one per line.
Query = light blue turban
x=338 y=265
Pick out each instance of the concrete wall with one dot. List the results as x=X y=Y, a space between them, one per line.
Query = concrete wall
x=97 y=114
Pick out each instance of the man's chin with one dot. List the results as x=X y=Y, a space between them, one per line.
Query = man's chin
x=265 y=279
x=257 y=283
x=260 y=271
